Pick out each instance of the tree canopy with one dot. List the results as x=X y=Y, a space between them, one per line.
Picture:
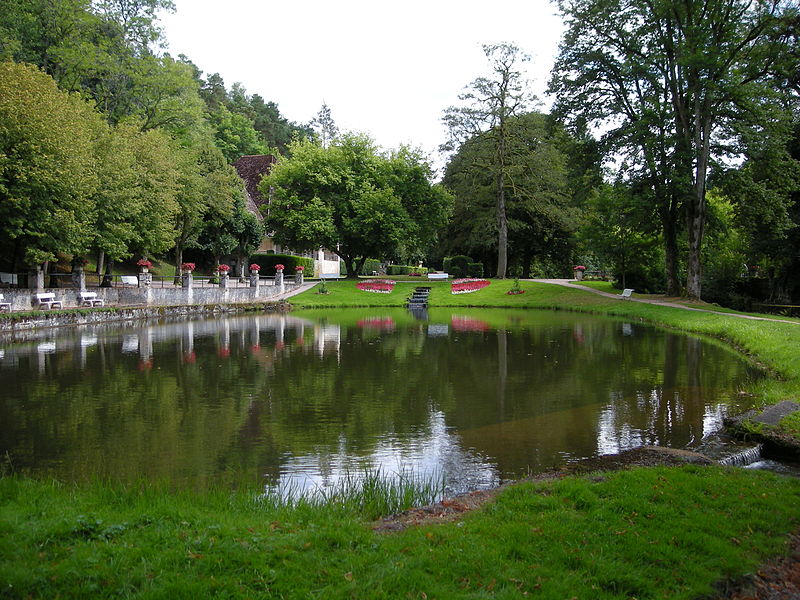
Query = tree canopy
x=668 y=80
x=354 y=200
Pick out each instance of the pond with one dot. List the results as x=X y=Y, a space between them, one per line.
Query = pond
x=297 y=400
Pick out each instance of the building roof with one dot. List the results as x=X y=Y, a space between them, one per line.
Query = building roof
x=251 y=169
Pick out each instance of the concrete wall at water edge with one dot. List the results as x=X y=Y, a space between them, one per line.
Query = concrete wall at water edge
x=124 y=296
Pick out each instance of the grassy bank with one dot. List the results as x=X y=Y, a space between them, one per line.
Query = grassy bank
x=644 y=533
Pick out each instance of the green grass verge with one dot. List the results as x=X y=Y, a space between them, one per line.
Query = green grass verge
x=644 y=533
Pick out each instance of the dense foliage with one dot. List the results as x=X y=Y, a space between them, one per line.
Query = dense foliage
x=355 y=200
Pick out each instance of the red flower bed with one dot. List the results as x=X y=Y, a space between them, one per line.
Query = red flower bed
x=468 y=324
x=379 y=323
x=380 y=286
x=466 y=286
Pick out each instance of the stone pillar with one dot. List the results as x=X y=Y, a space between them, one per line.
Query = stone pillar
x=223 y=280
x=254 y=279
x=36 y=279
x=79 y=278
x=298 y=278
x=279 y=278
x=578 y=275
x=145 y=278
x=186 y=279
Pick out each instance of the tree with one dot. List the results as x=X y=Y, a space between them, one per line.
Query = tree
x=353 y=200
x=490 y=104
x=667 y=79
x=47 y=174
x=617 y=229
x=540 y=218
x=324 y=126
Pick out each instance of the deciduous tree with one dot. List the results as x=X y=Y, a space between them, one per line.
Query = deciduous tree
x=488 y=105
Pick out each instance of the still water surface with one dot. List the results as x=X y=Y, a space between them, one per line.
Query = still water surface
x=475 y=396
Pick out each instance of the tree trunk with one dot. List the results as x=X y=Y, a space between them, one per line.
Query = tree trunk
x=695 y=213
x=526 y=265
x=109 y=276
x=671 y=254
x=502 y=218
x=178 y=263
x=101 y=260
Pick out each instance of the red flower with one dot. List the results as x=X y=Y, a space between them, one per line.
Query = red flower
x=187 y=266
x=224 y=268
x=279 y=267
x=465 y=286
x=299 y=268
x=255 y=267
x=381 y=286
x=143 y=262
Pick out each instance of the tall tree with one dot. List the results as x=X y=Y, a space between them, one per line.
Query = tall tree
x=540 y=216
x=47 y=170
x=488 y=105
x=324 y=126
x=666 y=79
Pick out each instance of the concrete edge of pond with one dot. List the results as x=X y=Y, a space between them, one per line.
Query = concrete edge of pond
x=70 y=317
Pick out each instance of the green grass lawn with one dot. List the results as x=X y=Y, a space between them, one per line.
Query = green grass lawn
x=645 y=533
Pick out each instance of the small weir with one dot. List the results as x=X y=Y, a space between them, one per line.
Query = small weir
x=419 y=298
x=743 y=458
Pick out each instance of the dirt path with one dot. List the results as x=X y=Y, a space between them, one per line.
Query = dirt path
x=570 y=283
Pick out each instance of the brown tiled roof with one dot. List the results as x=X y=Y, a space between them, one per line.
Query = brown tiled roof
x=251 y=169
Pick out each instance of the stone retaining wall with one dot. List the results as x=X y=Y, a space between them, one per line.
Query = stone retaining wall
x=24 y=299
x=60 y=318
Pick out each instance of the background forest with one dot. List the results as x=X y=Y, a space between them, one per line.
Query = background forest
x=670 y=157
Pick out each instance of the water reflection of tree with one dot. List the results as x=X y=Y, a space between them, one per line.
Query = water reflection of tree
x=544 y=387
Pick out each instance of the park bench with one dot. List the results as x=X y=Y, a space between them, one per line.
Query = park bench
x=48 y=300
x=626 y=293
x=438 y=275
x=329 y=276
x=89 y=299
x=4 y=306
x=129 y=279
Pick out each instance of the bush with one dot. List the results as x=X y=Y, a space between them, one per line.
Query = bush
x=405 y=270
x=370 y=265
x=268 y=262
x=458 y=266
x=475 y=269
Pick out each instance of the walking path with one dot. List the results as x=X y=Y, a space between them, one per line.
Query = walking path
x=299 y=290
x=570 y=283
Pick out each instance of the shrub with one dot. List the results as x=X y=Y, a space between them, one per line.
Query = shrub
x=458 y=266
x=267 y=263
x=370 y=265
x=405 y=270
x=475 y=269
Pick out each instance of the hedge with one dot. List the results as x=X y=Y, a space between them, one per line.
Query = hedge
x=268 y=262
x=475 y=269
x=405 y=270
x=458 y=266
x=370 y=265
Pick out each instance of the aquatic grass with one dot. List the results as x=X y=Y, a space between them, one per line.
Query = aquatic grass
x=645 y=533
x=371 y=492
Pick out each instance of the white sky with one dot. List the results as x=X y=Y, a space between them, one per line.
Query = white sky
x=388 y=70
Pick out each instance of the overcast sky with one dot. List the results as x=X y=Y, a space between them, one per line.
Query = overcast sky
x=385 y=69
